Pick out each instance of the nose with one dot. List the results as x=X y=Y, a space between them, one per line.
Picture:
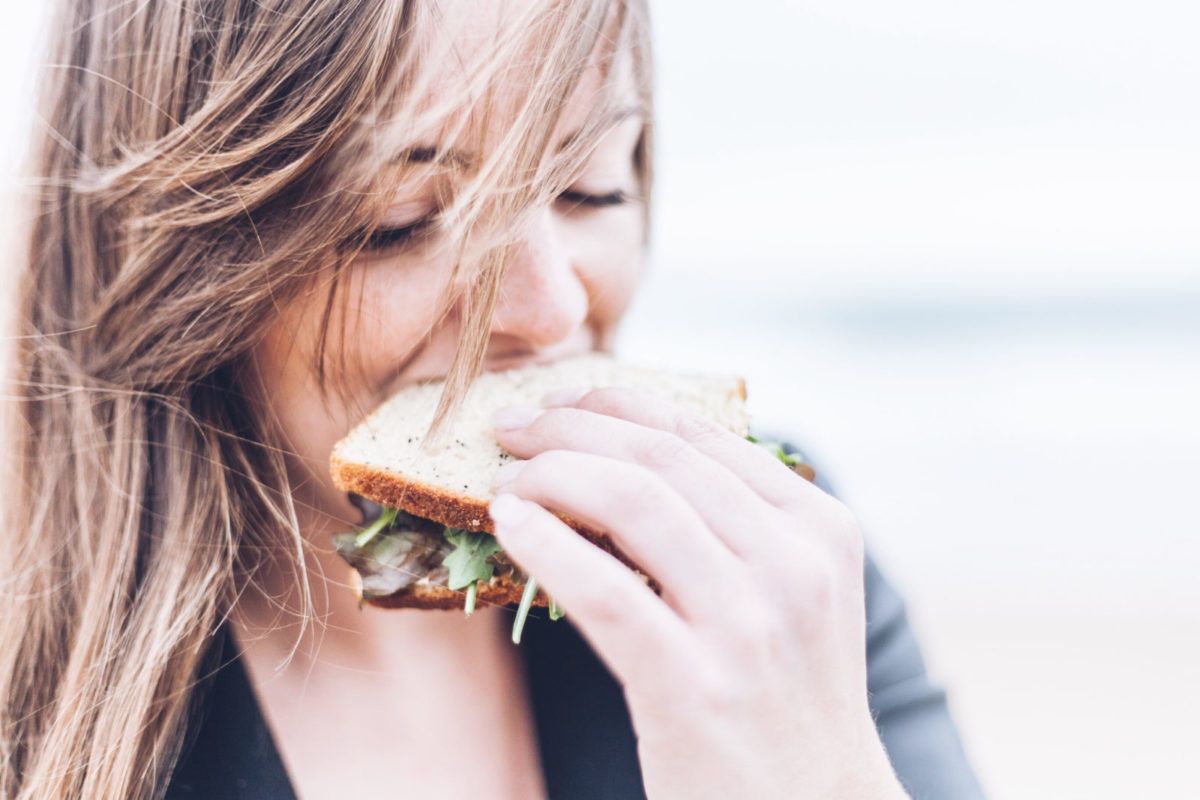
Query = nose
x=542 y=300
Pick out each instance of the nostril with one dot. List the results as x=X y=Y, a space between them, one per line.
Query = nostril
x=370 y=510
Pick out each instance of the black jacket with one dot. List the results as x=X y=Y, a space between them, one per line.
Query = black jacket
x=584 y=733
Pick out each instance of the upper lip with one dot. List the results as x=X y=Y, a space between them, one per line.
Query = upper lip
x=525 y=358
x=496 y=363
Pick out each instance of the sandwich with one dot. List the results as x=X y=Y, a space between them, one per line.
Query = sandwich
x=426 y=542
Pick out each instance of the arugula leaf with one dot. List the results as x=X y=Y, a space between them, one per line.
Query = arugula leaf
x=386 y=518
x=527 y=596
x=468 y=562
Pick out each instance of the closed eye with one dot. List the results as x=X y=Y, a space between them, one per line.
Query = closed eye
x=573 y=198
x=386 y=238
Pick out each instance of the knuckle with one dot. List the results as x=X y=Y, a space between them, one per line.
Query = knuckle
x=828 y=589
x=770 y=518
x=661 y=449
x=805 y=584
x=697 y=429
x=604 y=399
x=800 y=496
x=643 y=490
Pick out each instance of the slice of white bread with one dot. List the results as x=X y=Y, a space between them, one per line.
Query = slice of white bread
x=382 y=458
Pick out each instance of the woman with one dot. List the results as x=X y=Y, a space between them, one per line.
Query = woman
x=258 y=219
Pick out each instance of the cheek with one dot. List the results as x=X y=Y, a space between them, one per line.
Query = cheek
x=382 y=313
x=398 y=300
x=288 y=390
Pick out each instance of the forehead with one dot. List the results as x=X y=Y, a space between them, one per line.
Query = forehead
x=484 y=57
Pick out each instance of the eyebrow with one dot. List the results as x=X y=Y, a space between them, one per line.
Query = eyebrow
x=427 y=153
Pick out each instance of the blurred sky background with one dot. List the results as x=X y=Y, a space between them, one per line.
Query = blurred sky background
x=954 y=248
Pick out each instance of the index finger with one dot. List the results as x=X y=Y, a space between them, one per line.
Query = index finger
x=630 y=627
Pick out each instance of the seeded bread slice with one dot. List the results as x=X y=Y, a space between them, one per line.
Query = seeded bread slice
x=382 y=460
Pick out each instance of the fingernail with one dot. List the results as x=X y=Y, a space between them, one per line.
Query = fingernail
x=564 y=397
x=506 y=474
x=508 y=511
x=511 y=418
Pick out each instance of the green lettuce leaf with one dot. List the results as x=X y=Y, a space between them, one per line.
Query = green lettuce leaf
x=468 y=562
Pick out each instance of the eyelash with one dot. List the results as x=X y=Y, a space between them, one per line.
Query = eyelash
x=595 y=200
x=387 y=238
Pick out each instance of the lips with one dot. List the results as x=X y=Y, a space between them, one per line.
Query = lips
x=525 y=360
x=421 y=367
x=516 y=360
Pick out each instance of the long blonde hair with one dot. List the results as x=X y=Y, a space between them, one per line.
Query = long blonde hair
x=198 y=164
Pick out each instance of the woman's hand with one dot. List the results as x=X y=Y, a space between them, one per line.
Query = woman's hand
x=747 y=677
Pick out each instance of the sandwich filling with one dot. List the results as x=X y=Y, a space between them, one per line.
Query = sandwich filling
x=398 y=551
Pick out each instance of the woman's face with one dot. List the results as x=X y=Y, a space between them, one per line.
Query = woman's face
x=578 y=261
